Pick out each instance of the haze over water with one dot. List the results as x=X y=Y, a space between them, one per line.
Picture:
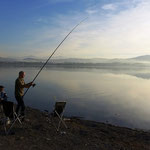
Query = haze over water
x=114 y=96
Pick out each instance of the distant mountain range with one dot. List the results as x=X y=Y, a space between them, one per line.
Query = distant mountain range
x=145 y=58
x=142 y=58
x=3 y=59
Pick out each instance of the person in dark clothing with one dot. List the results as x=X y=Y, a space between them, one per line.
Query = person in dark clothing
x=3 y=95
x=3 y=98
x=19 y=92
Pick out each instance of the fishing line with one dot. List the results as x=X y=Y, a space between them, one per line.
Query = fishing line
x=54 y=53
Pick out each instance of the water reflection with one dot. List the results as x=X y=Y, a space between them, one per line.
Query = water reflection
x=118 y=97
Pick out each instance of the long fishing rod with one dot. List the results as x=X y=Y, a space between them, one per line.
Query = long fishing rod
x=54 y=53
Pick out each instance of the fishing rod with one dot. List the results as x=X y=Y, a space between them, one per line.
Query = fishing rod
x=54 y=53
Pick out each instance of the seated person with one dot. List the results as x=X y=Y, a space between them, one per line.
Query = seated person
x=3 y=95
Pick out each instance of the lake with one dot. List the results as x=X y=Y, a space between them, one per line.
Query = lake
x=118 y=97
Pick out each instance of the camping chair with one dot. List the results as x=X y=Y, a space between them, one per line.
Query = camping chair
x=57 y=114
x=9 y=113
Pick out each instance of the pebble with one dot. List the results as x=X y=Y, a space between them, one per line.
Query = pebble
x=48 y=139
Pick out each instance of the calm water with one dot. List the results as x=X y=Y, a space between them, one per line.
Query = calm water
x=114 y=96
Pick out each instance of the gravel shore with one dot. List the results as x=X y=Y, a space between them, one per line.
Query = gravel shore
x=36 y=133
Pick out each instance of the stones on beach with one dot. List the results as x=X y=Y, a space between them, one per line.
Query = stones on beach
x=48 y=139
x=83 y=132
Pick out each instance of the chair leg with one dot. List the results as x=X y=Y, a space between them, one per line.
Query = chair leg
x=61 y=120
x=5 y=129
x=4 y=125
x=16 y=118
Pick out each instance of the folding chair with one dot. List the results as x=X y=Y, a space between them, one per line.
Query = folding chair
x=58 y=113
x=8 y=112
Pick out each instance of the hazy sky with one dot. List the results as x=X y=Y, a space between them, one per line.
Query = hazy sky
x=115 y=28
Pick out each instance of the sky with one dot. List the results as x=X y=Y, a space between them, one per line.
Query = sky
x=113 y=29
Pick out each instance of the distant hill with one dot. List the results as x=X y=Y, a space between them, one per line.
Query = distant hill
x=33 y=60
x=142 y=58
x=139 y=59
x=79 y=60
x=3 y=59
x=67 y=60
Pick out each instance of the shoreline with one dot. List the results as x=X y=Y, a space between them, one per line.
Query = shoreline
x=37 y=133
